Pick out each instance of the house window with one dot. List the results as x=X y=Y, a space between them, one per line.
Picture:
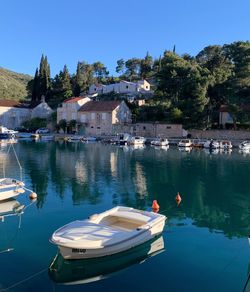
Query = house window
x=92 y=116
x=98 y=127
x=144 y=128
x=146 y=87
x=127 y=86
x=92 y=127
x=168 y=127
x=83 y=118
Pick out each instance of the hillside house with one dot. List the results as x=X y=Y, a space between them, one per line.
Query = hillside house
x=123 y=87
x=69 y=109
x=98 y=117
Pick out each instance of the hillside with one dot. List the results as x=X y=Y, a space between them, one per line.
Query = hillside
x=13 y=85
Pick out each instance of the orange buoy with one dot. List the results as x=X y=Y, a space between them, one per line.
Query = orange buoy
x=178 y=198
x=155 y=206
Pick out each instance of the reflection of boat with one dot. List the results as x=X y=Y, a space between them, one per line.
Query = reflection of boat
x=10 y=207
x=184 y=149
x=107 y=233
x=91 y=270
x=46 y=137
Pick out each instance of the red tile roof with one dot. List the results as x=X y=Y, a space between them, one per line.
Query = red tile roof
x=12 y=103
x=100 y=106
x=73 y=99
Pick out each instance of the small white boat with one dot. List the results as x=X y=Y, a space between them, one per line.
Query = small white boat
x=211 y=144
x=137 y=140
x=6 y=133
x=185 y=143
x=10 y=188
x=92 y=270
x=46 y=137
x=89 y=139
x=225 y=145
x=107 y=233
x=160 y=142
x=245 y=145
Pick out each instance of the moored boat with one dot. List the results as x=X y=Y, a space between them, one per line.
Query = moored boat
x=91 y=270
x=245 y=145
x=137 y=140
x=10 y=188
x=185 y=143
x=160 y=142
x=107 y=233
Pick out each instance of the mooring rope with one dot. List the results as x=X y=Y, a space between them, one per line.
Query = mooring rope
x=24 y=280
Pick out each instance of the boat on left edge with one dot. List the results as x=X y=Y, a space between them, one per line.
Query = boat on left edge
x=113 y=231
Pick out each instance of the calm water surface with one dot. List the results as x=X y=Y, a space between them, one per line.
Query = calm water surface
x=204 y=246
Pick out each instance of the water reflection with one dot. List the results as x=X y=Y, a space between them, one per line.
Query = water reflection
x=214 y=188
x=84 y=271
x=9 y=208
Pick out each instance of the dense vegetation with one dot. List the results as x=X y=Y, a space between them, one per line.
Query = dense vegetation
x=13 y=85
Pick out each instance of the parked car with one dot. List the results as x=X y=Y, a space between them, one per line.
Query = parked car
x=42 y=131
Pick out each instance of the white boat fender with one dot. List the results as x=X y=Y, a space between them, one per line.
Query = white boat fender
x=33 y=196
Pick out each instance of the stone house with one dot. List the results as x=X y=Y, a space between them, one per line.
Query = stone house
x=13 y=113
x=98 y=117
x=69 y=109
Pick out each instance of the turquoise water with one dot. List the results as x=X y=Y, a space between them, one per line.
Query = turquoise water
x=204 y=246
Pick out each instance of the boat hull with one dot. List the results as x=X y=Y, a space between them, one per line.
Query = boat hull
x=142 y=237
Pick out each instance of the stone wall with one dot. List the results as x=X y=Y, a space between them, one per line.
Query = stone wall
x=220 y=134
x=150 y=130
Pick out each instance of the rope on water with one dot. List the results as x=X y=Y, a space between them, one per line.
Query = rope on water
x=24 y=280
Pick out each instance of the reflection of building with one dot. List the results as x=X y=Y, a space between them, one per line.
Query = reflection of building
x=113 y=163
x=140 y=180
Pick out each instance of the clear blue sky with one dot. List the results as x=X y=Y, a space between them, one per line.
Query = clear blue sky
x=68 y=31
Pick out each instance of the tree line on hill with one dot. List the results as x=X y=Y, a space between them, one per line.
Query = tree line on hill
x=187 y=89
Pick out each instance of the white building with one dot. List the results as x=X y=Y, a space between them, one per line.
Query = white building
x=125 y=87
x=14 y=113
x=68 y=110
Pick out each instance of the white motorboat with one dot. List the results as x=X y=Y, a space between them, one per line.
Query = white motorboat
x=107 y=233
x=211 y=144
x=185 y=143
x=137 y=140
x=10 y=188
x=92 y=270
x=6 y=133
x=160 y=142
x=245 y=145
x=225 y=145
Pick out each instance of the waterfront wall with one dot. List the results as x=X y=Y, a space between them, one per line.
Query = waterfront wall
x=220 y=134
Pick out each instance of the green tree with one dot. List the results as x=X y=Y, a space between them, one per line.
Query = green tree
x=146 y=66
x=133 y=67
x=120 y=68
x=100 y=71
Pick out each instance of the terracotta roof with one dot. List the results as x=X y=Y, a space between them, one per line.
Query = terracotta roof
x=73 y=99
x=100 y=106
x=12 y=103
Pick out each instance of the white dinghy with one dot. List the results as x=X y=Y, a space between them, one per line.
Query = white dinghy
x=107 y=233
